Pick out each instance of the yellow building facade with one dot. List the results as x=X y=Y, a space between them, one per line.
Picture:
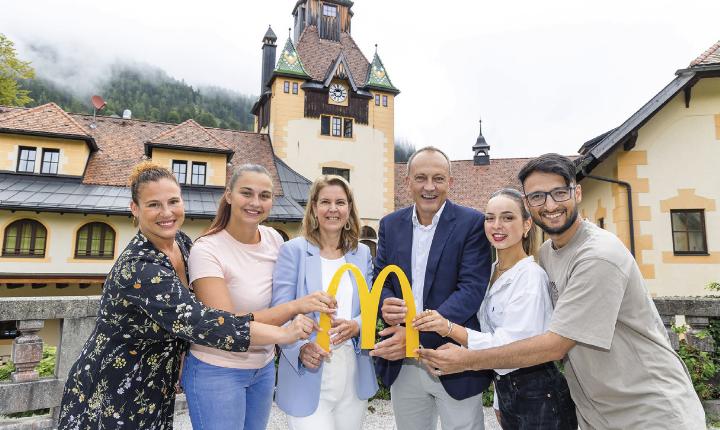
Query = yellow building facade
x=667 y=152
x=327 y=109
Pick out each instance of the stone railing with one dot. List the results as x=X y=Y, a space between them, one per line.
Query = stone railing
x=26 y=391
x=694 y=312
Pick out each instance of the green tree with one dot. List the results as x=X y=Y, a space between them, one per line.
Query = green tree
x=12 y=69
x=403 y=150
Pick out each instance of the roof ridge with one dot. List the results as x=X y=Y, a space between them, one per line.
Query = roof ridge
x=54 y=107
x=705 y=54
x=189 y=123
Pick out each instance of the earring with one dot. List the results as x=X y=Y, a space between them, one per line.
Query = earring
x=525 y=235
x=134 y=221
x=347 y=226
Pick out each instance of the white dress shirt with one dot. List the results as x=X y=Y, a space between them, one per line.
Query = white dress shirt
x=422 y=239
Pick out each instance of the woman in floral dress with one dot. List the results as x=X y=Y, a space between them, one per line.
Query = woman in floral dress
x=126 y=374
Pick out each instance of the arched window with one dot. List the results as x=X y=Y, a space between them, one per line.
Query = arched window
x=24 y=238
x=95 y=240
x=367 y=232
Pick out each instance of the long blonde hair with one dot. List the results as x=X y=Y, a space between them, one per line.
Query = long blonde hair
x=310 y=228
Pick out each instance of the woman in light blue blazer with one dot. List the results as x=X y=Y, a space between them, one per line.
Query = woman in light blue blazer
x=315 y=388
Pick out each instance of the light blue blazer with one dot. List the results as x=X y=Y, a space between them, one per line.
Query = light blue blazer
x=298 y=273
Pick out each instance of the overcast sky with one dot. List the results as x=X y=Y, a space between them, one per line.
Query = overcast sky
x=543 y=75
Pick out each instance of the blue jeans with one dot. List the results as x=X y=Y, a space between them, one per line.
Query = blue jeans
x=536 y=397
x=221 y=398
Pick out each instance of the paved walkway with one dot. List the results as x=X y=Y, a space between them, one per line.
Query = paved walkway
x=379 y=417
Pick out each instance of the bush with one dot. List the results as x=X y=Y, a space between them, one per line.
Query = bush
x=701 y=365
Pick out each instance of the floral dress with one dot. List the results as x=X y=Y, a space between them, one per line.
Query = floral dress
x=126 y=373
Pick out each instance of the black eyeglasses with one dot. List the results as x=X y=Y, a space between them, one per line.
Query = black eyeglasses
x=560 y=194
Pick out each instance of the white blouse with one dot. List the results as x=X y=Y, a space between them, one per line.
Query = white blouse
x=516 y=307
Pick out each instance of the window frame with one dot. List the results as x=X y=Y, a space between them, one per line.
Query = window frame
x=385 y=101
x=286 y=87
x=295 y=87
x=336 y=125
x=703 y=231
x=20 y=159
x=56 y=163
x=377 y=99
x=325 y=125
x=180 y=163
x=345 y=122
x=102 y=252
x=328 y=7
x=337 y=171
x=35 y=227
x=192 y=173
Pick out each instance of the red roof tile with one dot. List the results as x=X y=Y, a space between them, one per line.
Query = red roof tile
x=121 y=143
x=711 y=56
x=189 y=134
x=47 y=118
x=472 y=185
x=318 y=55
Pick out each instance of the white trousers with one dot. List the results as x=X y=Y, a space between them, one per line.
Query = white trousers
x=339 y=407
x=419 y=397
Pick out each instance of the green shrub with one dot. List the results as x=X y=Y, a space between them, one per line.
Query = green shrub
x=45 y=368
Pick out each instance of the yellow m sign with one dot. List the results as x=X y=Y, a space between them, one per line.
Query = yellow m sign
x=369 y=303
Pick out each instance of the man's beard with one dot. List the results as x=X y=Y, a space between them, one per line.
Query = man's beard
x=557 y=230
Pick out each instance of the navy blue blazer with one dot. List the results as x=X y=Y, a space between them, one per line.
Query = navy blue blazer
x=458 y=270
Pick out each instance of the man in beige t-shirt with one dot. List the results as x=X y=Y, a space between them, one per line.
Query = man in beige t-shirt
x=620 y=367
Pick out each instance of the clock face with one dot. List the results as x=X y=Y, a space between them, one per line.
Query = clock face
x=338 y=93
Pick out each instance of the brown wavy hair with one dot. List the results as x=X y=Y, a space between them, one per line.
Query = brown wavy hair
x=145 y=172
x=222 y=217
x=310 y=228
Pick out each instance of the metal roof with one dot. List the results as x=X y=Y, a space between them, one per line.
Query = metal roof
x=293 y=184
x=57 y=194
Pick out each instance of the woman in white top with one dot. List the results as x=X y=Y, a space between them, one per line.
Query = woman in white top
x=316 y=388
x=231 y=268
x=517 y=305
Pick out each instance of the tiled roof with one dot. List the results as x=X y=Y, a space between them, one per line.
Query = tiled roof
x=472 y=185
x=121 y=146
x=378 y=77
x=711 y=56
x=47 y=118
x=318 y=55
x=289 y=62
x=189 y=134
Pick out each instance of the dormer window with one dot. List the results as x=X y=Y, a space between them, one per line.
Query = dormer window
x=198 y=173
x=179 y=169
x=50 y=161
x=26 y=159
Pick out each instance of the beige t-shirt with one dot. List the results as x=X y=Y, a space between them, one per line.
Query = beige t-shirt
x=247 y=270
x=622 y=372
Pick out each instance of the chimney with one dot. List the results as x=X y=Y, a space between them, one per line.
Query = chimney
x=481 y=150
x=268 y=59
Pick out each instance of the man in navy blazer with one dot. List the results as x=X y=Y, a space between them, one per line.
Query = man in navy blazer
x=442 y=248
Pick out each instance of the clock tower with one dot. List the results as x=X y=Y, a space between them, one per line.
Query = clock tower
x=328 y=109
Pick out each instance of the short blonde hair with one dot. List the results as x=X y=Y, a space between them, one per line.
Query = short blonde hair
x=310 y=228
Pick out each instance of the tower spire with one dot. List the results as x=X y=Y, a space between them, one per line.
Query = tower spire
x=481 y=149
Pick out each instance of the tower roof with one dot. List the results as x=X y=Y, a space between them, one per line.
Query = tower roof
x=319 y=54
x=377 y=75
x=270 y=35
x=289 y=62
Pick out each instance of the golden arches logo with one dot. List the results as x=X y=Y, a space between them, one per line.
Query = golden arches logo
x=369 y=303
